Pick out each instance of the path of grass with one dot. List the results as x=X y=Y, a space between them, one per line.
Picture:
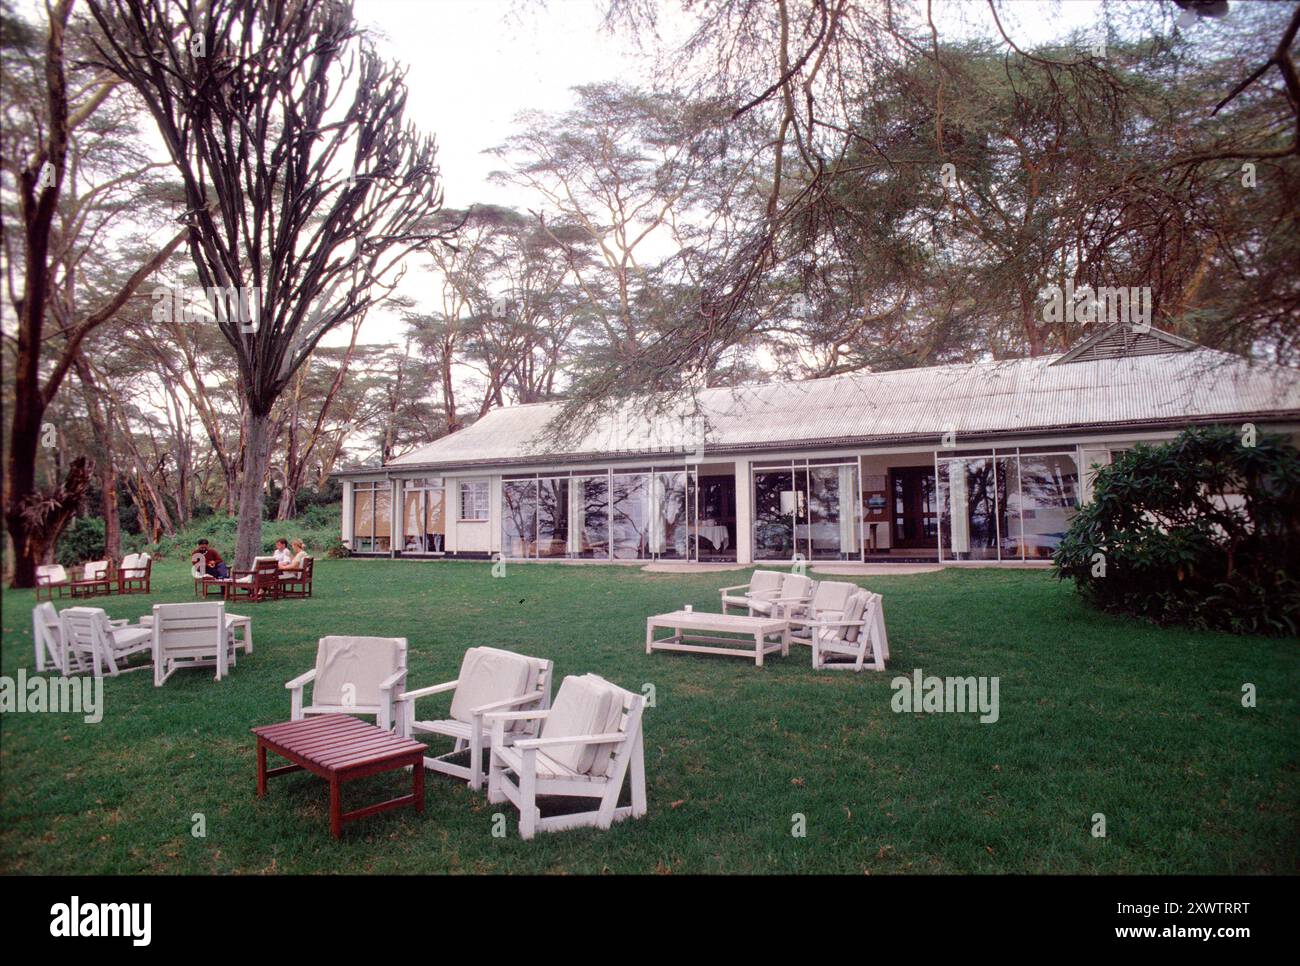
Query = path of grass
x=1097 y=715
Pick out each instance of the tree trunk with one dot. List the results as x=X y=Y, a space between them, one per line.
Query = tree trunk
x=257 y=447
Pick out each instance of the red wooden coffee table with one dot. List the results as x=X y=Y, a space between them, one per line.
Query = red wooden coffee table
x=340 y=748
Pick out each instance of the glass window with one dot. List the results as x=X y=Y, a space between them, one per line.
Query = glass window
x=553 y=517
x=383 y=517
x=363 y=517
x=630 y=524
x=968 y=509
x=833 y=511
x=423 y=529
x=591 y=515
x=474 y=500
x=519 y=518
x=776 y=505
x=1049 y=499
x=670 y=536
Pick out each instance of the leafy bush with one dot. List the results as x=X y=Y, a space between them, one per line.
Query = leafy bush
x=1203 y=530
x=317 y=528
x=82 y=541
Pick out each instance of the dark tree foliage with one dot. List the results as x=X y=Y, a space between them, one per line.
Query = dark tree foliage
x=1203 y=530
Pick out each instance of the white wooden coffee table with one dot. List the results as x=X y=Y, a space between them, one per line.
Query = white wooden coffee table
x=758 y=629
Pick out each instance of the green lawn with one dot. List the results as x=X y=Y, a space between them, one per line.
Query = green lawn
x=1097 y=715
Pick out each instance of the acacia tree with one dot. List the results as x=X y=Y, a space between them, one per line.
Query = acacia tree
x=305 y=186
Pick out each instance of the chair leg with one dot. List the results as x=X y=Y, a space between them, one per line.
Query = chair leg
x=476 y=755
x=638 y=776
x=528 y=813
x=495 y=795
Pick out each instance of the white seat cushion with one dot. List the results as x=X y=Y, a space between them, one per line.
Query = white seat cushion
x=130 y=636
x=582 y=707
x=488 y=675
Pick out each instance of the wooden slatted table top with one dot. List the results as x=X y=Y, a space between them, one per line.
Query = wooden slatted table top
x=337 y=742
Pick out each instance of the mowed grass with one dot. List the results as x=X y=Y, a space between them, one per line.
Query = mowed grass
x=1098 y=715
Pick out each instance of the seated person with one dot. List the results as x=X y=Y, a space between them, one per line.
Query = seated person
x=282 y=554
x=299 y=555
x=213 y=565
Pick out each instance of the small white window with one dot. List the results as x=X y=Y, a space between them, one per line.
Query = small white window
x=474 y=500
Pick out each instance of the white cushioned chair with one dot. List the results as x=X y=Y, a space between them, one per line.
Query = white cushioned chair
x=854 y=640
x=92 y=642
x=50 y=577
x=353 y=675
x=191 y=635
x=47 y=633
x=490 y=679
x=795 y=593
x=828 y=601
x=763 y=585
x=590 y=741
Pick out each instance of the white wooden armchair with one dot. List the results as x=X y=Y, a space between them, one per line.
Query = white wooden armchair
x=590 y=742
x=793 y=597
x=353 y=675
x=762 y=584
x=854 y=640
x=191 y=635
x=92 y=642
x=51 y=577
x=490 y=679
x=47 y=633
x=827 y=603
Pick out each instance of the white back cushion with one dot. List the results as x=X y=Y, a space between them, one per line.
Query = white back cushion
x=94 y=570
x=765 y=581
x=582 y=707
x=51 y=574
x=831 y=598
x=600 y=761
x=487 y=675
x=853 y=611
x=355 y=667
x=795 y=585
x=133 y=564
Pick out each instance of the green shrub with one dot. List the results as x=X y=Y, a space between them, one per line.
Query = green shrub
x=82 y=541
x=1161 y=541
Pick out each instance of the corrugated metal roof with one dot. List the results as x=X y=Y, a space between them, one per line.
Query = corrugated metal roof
x=978 y=400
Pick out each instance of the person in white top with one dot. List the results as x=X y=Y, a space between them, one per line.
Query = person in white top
x=282 y=554
x=299 y=555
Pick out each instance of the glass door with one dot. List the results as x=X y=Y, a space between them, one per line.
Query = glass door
x=775 y=506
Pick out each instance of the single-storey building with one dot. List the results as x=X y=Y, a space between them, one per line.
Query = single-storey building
x=983 y=461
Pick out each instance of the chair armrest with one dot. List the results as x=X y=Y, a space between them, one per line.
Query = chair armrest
x=795 y=620
x=425 y=692
x=526 y=743
x=515 y=715
x=120 y=622
x=483 y=709
x=724 y=590
x=787 y=600
x=390 y=682
x=302 y=679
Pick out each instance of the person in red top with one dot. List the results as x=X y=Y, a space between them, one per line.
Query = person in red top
x=213 y=565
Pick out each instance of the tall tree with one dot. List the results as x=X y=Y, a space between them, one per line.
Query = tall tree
x=304 y=185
